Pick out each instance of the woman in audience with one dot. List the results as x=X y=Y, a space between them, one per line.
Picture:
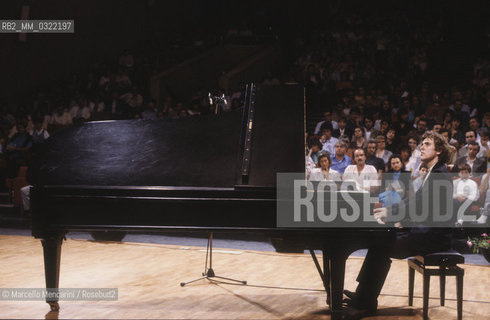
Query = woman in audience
x=413 y=143
x=358 y=140
x=381 y=151
x=323 y=172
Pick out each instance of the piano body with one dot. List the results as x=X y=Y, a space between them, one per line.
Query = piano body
x=215 y=173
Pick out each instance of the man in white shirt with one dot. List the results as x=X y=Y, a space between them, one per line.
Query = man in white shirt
x=365 y=175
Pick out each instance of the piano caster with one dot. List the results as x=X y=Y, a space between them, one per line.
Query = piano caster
x=54 y=306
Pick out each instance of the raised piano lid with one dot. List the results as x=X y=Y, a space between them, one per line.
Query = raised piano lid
x=202 y=152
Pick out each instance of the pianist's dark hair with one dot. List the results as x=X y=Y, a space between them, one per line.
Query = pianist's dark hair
x=440 y=145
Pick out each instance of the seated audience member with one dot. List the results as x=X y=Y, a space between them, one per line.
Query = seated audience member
x=327 y=119
x=413 y=143
x=381 y=152
x=38 y=134
x=314 y=148
x=60 y=118
x=149 y=112
x=460 y=110
x=402 y=126
x=457 y=134
x=485 y=189
x=405 y=154
x=453 y=152
x=80 y=111
x=392 y=143
x=340 y=160
x=383 y=127
x=437 y=127
x=421 y=128
x=474 y=124
x=485 y=141
x=478 y=166
x=394 y=183
x=342 y=129
x=358 y=140
x=364 y=175
x=470 y=136
x=369 y=132
x=17 y=147
x=417 y=183
x=486 y=120
x=464 y=189
x=371 y=158
x=327 y=140
x=323 y=172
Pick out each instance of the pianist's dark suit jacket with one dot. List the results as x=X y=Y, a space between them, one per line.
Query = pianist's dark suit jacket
x=423 y=237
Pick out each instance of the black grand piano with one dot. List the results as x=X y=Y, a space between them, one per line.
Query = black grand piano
x=214 y=173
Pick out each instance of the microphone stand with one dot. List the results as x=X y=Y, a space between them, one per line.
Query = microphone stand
x=209 y=273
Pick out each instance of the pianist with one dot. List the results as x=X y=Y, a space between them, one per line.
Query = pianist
x=419 y=240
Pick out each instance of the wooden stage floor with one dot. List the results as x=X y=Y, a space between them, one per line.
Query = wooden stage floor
x=148 y=276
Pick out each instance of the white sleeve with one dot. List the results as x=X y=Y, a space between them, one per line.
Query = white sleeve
x=334 y=175
x=310 y=165
x=473 y=196
x=455 y=188
x=373 y=177
x=315 y=175
x=347 y=174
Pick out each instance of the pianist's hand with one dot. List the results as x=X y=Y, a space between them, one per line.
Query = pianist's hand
x=380 y=215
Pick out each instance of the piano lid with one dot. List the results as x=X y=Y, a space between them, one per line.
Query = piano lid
x=205 y=151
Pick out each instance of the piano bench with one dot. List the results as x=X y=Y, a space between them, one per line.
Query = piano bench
x=440 y=264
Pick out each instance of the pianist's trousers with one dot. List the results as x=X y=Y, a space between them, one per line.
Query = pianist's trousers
x=377 y=262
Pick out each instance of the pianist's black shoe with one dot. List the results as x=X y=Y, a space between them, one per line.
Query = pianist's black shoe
x=352 y=313
x=357 y=308
x=350 y=294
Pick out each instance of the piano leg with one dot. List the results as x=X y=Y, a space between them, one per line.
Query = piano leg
x=336 y=260
x=325 y=273
x=52 y=256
